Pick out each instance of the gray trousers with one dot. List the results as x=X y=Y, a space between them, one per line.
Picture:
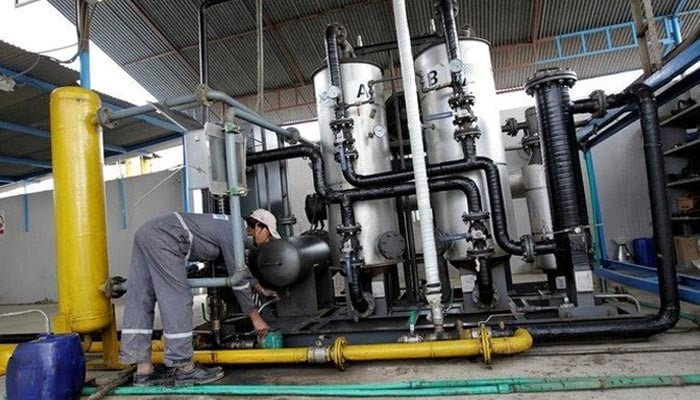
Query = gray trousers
x=158 y=273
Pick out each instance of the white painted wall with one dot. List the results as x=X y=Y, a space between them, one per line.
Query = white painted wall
x=27 y=259
x=622 y=187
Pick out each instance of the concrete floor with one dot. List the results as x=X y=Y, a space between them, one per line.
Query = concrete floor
x=608 y=359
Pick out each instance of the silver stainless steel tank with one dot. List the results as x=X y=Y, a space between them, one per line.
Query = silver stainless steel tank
x=378 y=216
x=432 y=66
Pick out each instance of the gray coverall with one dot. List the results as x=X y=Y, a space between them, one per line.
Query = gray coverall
x=162 y=247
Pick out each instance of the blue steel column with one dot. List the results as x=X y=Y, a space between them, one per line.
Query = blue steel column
x=598 y=231
x=84 y=44
x=185 y=178
x=25 y=199
x=122 y=194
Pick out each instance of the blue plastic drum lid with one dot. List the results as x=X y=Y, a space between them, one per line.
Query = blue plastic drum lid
x=51 y=367
x=645 y=251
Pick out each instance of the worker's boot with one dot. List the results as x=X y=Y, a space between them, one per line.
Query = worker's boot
x=199 y=375
x=160 y=376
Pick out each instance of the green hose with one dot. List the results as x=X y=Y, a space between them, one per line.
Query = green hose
x=420 y=388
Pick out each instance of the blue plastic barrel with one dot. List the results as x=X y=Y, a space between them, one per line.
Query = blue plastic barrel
x=51 y=367
x=645 y=251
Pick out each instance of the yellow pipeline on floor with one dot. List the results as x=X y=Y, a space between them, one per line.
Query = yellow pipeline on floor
x=340 y=352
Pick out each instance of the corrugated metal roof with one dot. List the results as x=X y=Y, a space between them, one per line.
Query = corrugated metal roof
x=132 y=32
x=28 y=106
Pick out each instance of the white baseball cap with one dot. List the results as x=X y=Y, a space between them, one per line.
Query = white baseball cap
x=266 y=218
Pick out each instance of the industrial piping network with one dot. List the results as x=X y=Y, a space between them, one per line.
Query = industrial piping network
x=487 y=229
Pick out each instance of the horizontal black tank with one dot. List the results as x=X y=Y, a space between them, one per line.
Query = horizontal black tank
x=285 y=262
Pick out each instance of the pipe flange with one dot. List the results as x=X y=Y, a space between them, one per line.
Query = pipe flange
x=351 y=229
x=201 y=92
x=104 y=118
x=485 y=339
x=510 y=127
x=601 y=103
x=349 y=154
x=336 y=352
x=527 y=243
x=530 y=141
x=461 y=100
x=551 y=76
x=114 y=287
x=476 y=253
x=294 y=135
x=471 y=132
x=338 y=124
x=475 y=216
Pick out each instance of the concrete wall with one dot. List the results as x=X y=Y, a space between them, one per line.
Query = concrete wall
x=27 y=259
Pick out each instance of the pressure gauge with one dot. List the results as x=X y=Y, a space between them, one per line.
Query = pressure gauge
x=456 y=65
x=333 y=92
x=379 y=131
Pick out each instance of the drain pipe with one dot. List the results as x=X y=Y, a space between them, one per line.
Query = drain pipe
x=425 y=212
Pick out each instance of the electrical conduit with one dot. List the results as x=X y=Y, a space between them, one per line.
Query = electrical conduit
x=425 y=212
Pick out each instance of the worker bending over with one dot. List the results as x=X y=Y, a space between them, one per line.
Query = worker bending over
x=162 y=248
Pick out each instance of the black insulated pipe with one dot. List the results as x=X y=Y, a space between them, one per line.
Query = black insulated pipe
x=559 y=147
x=464 y=184
x=485 y=282
x=389 y=188
x=669 y=305
x=360 y=301
x=333 y=61
x=452 y=167
x=446 y=10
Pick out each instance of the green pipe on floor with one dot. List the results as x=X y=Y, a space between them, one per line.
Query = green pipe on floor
x=420 y=388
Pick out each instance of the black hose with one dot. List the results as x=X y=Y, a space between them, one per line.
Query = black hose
x=333 y=62
x=669 y=306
